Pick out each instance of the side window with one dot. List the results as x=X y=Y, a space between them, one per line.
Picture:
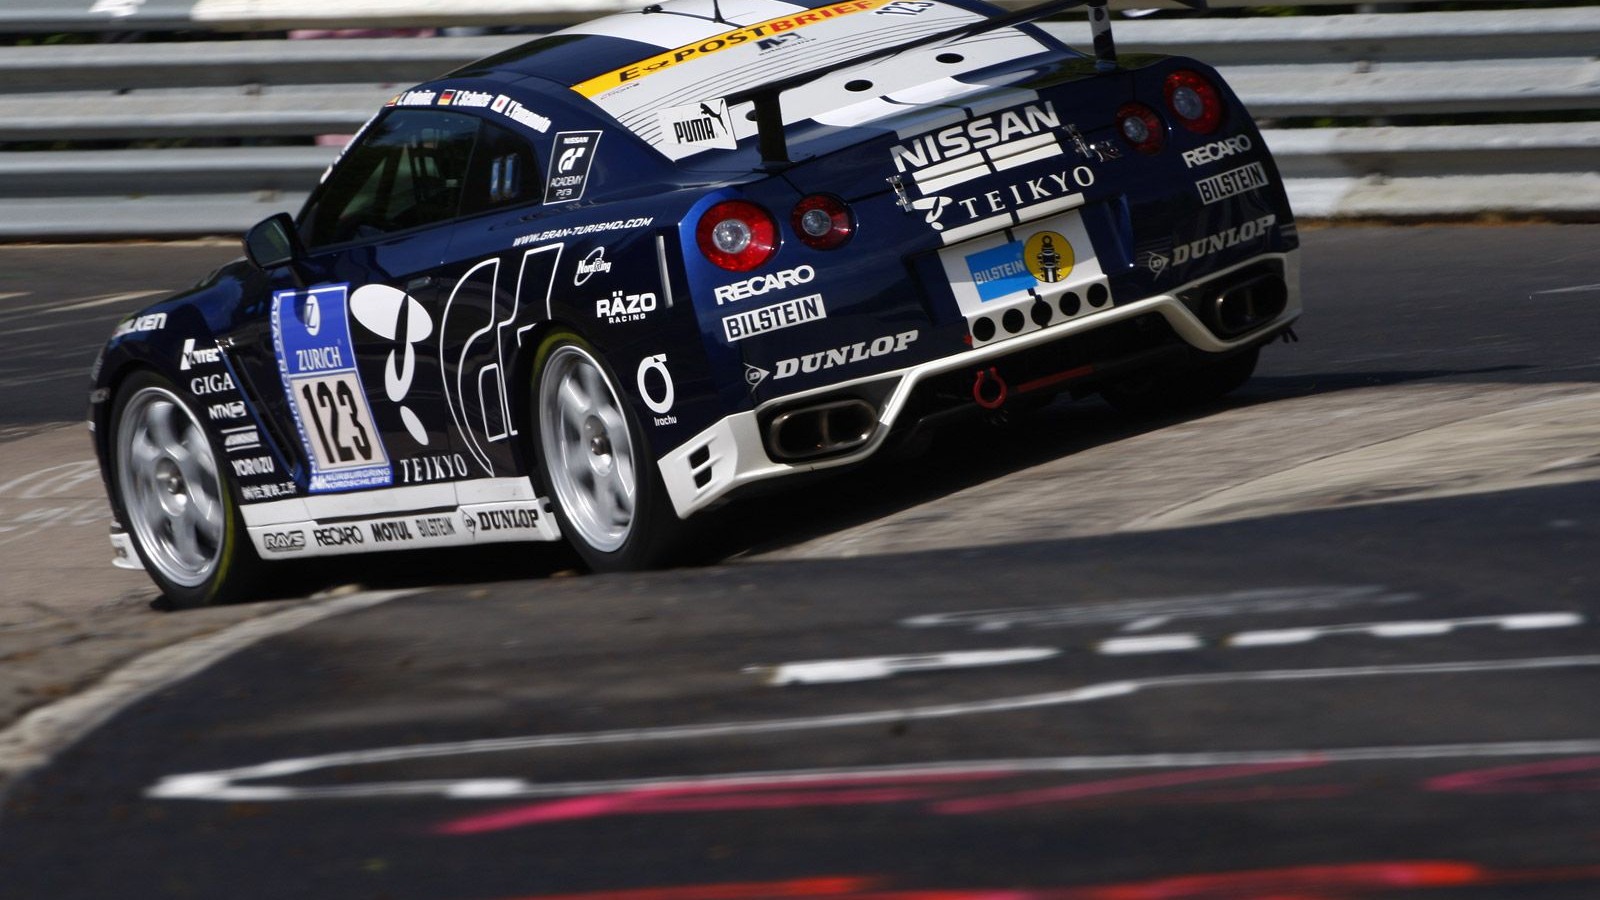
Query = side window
x=409 y=170
x=504 y=173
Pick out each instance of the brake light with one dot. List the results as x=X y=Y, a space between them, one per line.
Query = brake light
x=1195 y=101
x=737 y=235
x=1141 y=127
x=822 y=222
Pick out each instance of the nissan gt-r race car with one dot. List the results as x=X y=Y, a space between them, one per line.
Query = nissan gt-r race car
x=589 y=287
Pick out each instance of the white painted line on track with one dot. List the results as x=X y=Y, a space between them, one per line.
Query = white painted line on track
x=1410 y=629
x=225 y=784
x=37 y=736
x=102 y=300
x=871 y=668
x=1154 y=643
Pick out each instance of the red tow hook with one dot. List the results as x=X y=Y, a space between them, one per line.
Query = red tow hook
x=989 y=389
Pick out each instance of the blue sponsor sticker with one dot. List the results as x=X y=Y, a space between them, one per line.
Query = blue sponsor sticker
x=999 y=271
x=311 y=335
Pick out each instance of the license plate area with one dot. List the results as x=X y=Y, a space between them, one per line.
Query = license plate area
x=1025 y=278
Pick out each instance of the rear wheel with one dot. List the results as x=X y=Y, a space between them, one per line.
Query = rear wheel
x=1173 y=389
x=174 y=499
x=608 y=497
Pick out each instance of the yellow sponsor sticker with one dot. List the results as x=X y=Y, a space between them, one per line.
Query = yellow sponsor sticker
x=1049 y=257
x=724 y=41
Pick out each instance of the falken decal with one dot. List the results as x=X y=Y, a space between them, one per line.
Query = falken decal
x=724 y=41
x=317 y=360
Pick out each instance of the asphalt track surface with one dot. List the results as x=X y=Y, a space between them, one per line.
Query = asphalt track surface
x=1333 y=639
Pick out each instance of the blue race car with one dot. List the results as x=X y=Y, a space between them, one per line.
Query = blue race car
x=589 y=287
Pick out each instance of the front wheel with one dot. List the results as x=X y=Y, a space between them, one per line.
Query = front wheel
x=608 y=498
x=174 y=499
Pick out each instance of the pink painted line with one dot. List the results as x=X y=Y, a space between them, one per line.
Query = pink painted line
x=999 y=802
x=846 y=886
x=770 y=794
x=1522 y=778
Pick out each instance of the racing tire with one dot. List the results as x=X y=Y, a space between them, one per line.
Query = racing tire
x=1169 y=390
x=176 y=501
x=593 y=461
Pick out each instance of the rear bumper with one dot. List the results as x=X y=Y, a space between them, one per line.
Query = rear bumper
x=733 y=453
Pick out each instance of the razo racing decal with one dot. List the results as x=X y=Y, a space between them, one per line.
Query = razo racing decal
x=570 y=160
x=1232 y=183
x=620 y=307
x=701 y=126
x=317 y=360
x=717 y=43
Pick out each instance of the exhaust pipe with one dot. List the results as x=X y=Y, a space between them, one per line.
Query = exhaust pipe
x=1249 y=304
x=822 y=430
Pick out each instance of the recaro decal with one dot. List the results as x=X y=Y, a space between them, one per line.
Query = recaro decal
x=717 y=43
x=761 y=284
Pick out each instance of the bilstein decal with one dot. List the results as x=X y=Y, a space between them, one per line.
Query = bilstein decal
x=724 y=41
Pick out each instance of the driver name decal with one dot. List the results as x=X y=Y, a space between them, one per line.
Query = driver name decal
x=311 y=336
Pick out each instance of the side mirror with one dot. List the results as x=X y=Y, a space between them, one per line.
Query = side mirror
x=273 y=242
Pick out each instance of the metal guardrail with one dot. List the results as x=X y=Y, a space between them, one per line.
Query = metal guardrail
x=263 y=15
x=1342 y=66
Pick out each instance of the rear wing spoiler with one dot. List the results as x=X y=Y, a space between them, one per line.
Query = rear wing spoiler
x=769 y=111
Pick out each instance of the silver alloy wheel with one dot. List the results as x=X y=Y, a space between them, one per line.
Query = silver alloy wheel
x=588 y=448
x=168 y=483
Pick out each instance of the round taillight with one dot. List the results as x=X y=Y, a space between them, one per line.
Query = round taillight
x=1195 y=101
x=822 y=222
x=737 y=235
x=1142 y=128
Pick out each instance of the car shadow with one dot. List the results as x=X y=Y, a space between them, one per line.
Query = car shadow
x=789 y=512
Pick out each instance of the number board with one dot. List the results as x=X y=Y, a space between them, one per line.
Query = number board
x=311 y=335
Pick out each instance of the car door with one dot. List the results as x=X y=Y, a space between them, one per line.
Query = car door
x=355 y=321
